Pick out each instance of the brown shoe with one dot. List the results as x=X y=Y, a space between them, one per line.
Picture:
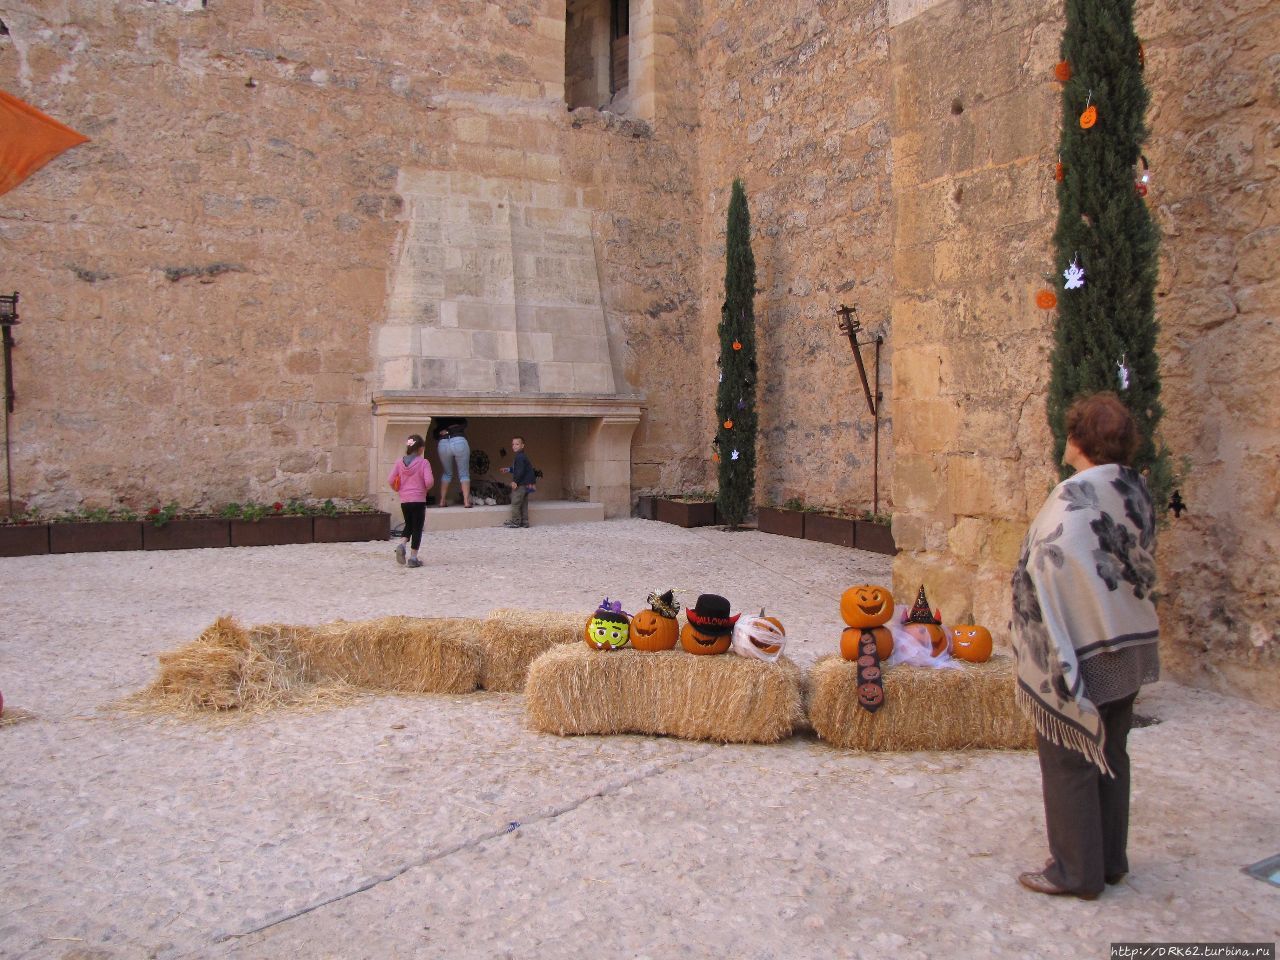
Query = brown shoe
x=1042 y=884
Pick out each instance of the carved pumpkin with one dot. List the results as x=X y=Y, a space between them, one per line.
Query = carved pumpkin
x=851 y=641
x=1062 y=71
x=866 y=606
x=760 y=637
x=608 y=628
x=1046 y=299
x=651 y=631
x=971 y=642
x=1088 y=118
x=695 y=641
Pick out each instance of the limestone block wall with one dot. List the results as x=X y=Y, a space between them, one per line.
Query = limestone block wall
x=799 y=108
x=974 y=113
x=202 y=282
x=1215 y=120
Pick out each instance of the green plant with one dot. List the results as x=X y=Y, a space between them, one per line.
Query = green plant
x=159 y=516
x=1105 y=335
x=328 y=509
x=736 y=393
x=231 y=511
x=695 y=496
x=795 y=503
x=885 y=519
x=253 y=511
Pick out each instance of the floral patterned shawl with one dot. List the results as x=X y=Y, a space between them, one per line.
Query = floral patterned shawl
x=1082 y=587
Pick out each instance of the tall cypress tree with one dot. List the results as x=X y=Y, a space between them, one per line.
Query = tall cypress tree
x=1104 y=227
x=736 y=394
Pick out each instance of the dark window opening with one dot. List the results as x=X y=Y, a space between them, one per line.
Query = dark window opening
x=619 y=44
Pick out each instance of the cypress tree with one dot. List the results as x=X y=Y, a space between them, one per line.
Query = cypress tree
x=1104 y=227
x=736 y=394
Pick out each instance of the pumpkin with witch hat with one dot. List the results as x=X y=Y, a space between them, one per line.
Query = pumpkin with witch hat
x=926 y=625
x=656 y=628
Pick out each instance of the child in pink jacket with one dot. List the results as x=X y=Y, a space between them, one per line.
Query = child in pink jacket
x=411 y=477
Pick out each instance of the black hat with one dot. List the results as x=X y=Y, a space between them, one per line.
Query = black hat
x=710 y=615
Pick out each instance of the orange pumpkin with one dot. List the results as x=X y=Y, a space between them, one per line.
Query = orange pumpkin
x=930 y=633
x=1088 y=118
x=759 y=637
x=695 y=641
x=1059 y=172
x=971 y=642
x=852 y=636
x=866 y=606
x=650 y=630
x=608 y=627
x=1062 y=71
x=1046 y=299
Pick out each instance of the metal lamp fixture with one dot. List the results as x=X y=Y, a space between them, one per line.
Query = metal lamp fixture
x=8 y=320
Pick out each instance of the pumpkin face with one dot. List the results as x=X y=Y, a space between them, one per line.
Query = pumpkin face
x=871 y=695
x=929 y=633
x=652 y=631
x=971 y=642
x=1088 y=118
x=761 y=638
x=866 y=606
x=607 y=631
x=695 y=641
x=853 y=637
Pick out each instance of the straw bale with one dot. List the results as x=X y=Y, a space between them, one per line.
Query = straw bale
x=925 y=709
x=510 y=640
x=408 y=654
x=573 y=689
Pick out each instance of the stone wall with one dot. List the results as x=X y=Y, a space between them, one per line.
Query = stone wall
x=797 y=105
x=202 y=283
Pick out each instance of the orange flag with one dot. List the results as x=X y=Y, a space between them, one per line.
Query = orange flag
x=28 y=140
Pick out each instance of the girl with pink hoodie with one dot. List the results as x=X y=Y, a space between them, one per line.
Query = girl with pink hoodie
x=411 y=477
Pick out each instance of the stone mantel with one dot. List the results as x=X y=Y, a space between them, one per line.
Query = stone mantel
x=419 y=405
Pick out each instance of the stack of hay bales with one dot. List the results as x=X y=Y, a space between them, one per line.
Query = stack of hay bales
x=573 y=689
x=968 y=707
x=510 y=640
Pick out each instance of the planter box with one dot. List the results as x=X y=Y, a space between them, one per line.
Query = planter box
x=189 y=534
x=785 y=523
x=271 y=531
x=24 y=540
x=95 y=537
x=352 y=527
x=701 y=514
x=645 y=508
x=876 y=537
x=828 y=529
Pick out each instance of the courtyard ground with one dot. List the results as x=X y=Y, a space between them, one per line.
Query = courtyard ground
x=441 y=827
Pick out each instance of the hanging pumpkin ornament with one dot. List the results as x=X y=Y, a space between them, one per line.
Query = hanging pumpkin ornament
x=1090 y=115
x=728 y=424
x=1046 y=299
x=1074 y=275
x=1059 y=171
x=1142 y=177
x=737 y=344
x=1062 y=71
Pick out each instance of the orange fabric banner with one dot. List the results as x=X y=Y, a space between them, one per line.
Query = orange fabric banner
x=28 y=140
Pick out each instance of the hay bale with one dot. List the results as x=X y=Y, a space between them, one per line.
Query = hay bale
x=510 y=640
x=230 y=668
x=925 y=709
x=575 y=690
x=407 y=654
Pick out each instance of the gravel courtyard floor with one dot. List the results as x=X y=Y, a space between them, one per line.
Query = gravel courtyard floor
x=440 y=826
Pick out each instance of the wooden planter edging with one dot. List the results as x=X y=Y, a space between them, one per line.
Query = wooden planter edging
x=187 y=534
x=828 y=529
x=271 y=531
x=24 y=540
x=698 y=514
x=352 y=527
x=95 y=537
x=786 y=523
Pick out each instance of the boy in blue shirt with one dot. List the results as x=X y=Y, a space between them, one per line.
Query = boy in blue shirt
x=523 y=483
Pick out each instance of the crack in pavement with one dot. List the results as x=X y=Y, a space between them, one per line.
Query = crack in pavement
x=606 y=790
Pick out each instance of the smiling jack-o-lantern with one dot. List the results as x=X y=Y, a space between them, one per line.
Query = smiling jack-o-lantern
x=608 y=628
x=710 y=628
x=866 y=606
x=971 y=642
x=759 y=637
x=656 y=628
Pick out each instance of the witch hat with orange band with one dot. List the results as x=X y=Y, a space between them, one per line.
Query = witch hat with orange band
x=28 y=140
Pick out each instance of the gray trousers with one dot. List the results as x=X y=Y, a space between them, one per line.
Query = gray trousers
x=520 y=505
x=1086 y=812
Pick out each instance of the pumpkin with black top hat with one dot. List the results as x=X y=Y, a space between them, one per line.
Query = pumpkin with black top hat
x=710 y=627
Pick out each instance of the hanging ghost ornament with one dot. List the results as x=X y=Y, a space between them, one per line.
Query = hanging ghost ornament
x=1123 y=372
x=1074 y=275
x=734 y=455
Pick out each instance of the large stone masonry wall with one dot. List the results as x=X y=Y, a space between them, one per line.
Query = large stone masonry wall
x=798 y=107
x=202 y=281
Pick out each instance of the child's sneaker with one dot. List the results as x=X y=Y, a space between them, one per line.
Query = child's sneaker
x=413 y=562
x=400 y=554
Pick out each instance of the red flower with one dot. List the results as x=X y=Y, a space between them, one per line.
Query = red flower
x=277 y=506
x=154 y=511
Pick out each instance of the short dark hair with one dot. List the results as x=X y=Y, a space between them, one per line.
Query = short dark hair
x=1103 y=428
x=517 y=437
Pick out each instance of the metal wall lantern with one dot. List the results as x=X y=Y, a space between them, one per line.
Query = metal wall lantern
x=8 y=320
x=850 y=326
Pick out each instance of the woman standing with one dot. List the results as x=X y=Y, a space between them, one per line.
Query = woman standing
x=1086 y=638
x=452 y=446
x=411 y=477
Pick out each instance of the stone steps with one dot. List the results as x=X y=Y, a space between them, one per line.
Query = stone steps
x=541 y=513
